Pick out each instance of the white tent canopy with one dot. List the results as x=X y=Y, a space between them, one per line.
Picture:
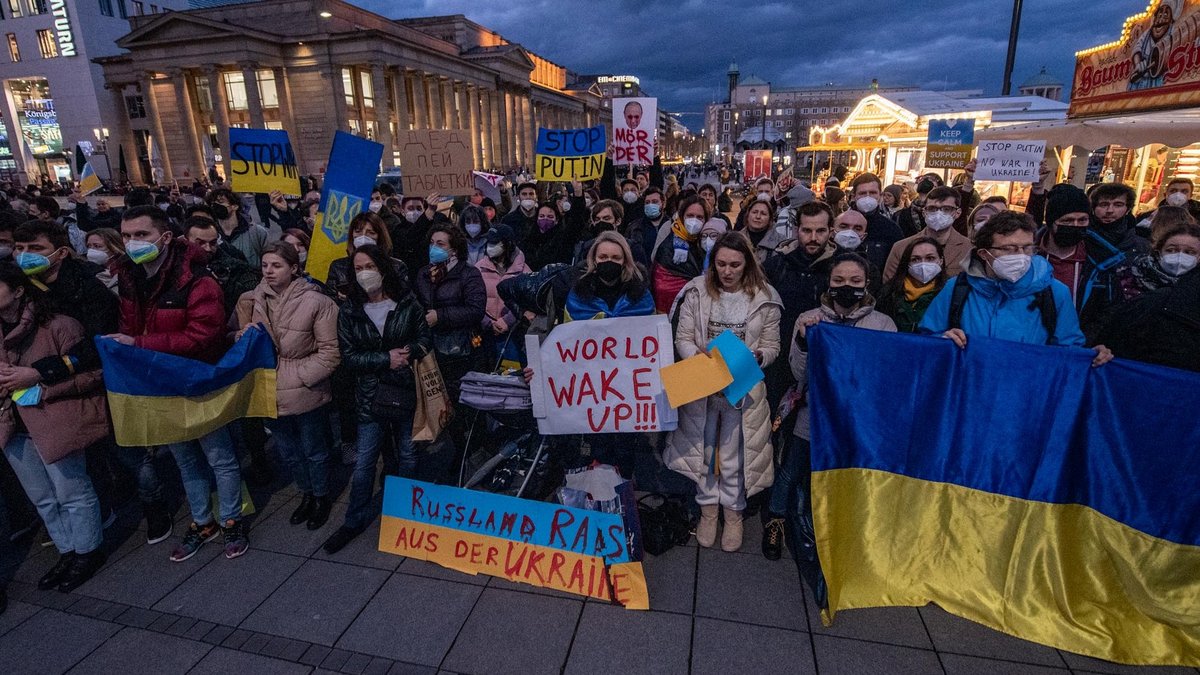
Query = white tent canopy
x=1173 y=128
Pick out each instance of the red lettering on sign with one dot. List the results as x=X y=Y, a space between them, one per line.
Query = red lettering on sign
x=561 y=519
x=639 y=385
x=606 y=388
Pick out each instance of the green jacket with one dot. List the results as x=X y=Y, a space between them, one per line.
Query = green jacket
x=907 y=315
x=365 y=351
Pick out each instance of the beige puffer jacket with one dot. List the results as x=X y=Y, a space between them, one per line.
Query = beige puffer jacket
x=685 y=446
x=302 y=322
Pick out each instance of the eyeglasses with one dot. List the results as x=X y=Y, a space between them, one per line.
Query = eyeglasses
x=948 y=210
x=1014 y=250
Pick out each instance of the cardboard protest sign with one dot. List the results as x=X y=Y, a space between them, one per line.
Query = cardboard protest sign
x=758 y=164
x=353 y=165
x=570 y=154
x=549 y=545
x=436 y=160
x=949 y=144
x=488 y=184
x=740 y=361
x=635 y=123
x=1016 y=161
x=261 y=160
x=602 y=376
x=694 y=378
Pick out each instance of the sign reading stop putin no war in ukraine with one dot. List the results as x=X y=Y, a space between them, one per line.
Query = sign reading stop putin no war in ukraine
x=602 y=376
x=549 y=545
x=261 y=160
x=570 y=154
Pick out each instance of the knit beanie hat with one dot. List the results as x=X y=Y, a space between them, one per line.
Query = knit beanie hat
x=1065 y=198
x=717 y=225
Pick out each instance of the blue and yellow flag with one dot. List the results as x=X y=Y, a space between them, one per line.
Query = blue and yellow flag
x=349 y=179
x=158 y=398
x=89 y=182
x=1014 y=485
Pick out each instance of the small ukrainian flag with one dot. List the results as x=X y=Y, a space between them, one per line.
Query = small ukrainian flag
x=157 y=398
x=89 y=182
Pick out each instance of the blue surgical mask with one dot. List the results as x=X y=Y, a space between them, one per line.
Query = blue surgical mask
x=653 y=210
x=438 y=254
x=32 y=263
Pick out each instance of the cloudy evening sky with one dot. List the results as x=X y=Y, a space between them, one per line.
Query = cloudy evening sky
x=680 y=49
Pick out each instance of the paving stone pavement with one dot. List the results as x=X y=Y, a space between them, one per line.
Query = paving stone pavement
x=286 y=607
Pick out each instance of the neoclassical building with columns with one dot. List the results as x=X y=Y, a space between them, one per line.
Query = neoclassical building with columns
x=315 y=66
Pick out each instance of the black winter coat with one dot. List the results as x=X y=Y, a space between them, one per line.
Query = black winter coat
x=556 y=245
x=78 y=294
x=1162 y=327
x=365 y=351
x=341 y=275
x=460 y=300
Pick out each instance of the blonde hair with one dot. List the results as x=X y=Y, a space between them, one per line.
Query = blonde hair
x=753 y=278
x=629 y=268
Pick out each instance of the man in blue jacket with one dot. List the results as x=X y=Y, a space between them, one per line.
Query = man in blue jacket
x=1007 y=292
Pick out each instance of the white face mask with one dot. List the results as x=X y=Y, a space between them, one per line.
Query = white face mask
x=1012 y=267
x=495 y=250
x=588 y=201
x=847 y=239
x=528 y=204
x=630 y=196
x=1177 y=199
x=303 y=254
x=473 y=229
x=412 y=215
x=764 y=196
x=693 y=225
x=375 y=205
x=939 y=221
x=5 y=252
x=565 y=205
x=363 y=240
x=924 y=272
x=1177 y=264
x=98 y=256
x=707 y=243
x=866 y=204
x=370 y=280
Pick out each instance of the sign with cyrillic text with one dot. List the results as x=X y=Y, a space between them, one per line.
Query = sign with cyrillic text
x=602 y=376
x=436 y=160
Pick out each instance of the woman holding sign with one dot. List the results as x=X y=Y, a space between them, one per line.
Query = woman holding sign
x=726 y=448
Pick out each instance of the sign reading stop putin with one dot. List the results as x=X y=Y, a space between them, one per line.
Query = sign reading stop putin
x=1154 y=65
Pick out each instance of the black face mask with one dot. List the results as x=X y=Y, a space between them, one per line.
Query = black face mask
x=1068 y=236
x=847 y=296
x=609 y=271
x=220 y=211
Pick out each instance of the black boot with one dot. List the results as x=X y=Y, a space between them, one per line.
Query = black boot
x=85 y=567
x=57 y=573
x=3 y=600
x=772 y=539
x=158 y=522
x=304 y=511
x=320 y=512
x=338 y=540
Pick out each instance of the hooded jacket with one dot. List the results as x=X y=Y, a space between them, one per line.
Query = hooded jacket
x=1007 y=310
x=302 y=322
x=496 y=309
x=179 y=311
x=684 y=452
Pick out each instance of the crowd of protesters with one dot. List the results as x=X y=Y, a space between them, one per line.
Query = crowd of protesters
x=460 y=282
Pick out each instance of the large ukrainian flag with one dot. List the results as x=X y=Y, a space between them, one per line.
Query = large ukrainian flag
x=158 y=398
x=1014 y=485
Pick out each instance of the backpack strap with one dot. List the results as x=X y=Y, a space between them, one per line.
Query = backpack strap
x=1044 y=301
x=958 y=300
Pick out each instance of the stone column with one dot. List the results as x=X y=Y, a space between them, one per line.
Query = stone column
x=435 y=102
x=500 y=120
x=420 y=102
x=283 y=89
x=489 y=128
x=472 y=101
x=334 y=73
x=156 y=126
x=513 y=128
x=530 y=127
x=449 y=117
x=253 y=97
x=383 y=112
x=124 y=136
x=400 y=87
x=464 y=106
x=187 y=120
x=216 y=91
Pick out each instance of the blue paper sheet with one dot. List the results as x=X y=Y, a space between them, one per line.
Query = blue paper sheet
x=742 y=365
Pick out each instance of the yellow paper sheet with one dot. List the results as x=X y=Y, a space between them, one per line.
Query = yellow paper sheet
x=694 y=378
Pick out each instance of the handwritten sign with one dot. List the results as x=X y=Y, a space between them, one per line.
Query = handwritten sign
x=435 y=160
x=758 y=164
x=261 y=160
x=602 y=376
x=949 y=144
x=539 y=543
x=570 y=154
x=635 y=121
x=1015 y=161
